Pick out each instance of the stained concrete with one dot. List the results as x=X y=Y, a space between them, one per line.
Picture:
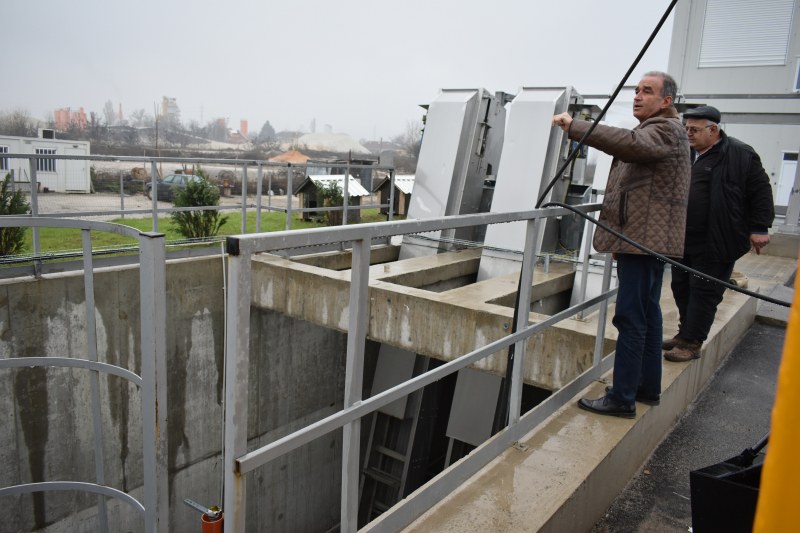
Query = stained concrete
x=443 y=324
x=50 y=407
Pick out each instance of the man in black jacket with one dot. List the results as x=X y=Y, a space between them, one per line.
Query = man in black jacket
x=730 y=211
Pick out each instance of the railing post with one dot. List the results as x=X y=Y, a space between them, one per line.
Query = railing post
x=603 y=313
x=588 y=232
x=237 y=358
x=244 y=198
x=345 y=193
x=154 y=192
x=37 y=264
x=391 y=195
x=354 y=376
x=289 y=172
x=530 y=253
x=152 y=283
x=269 y=192
x=91 y=344
x=122 y=194
x=259 y=191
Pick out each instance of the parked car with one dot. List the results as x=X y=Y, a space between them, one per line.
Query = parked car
x=167 y=187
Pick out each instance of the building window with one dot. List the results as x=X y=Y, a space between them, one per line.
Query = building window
x=3 y=160
x=46 y=165
x=742 y=33
x=797 y=75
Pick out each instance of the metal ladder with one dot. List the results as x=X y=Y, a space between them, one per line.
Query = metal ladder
x=387 y=459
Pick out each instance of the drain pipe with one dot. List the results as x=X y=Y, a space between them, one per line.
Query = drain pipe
x=211 y=520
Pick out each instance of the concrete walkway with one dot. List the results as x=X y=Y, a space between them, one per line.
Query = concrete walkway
x=732 y=414
x=565 y=475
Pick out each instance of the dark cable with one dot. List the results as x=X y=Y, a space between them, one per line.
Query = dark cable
x=667 y=259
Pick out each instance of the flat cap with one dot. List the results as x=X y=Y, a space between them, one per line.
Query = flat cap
x=704 y=111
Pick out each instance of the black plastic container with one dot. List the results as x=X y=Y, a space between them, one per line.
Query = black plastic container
x=724 y=495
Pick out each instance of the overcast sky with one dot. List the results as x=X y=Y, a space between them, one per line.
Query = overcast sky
x=361 y=66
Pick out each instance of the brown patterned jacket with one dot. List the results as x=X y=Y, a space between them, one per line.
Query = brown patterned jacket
x=648 y=185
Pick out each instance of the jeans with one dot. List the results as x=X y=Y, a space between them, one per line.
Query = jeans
x=697 y=299
x=637 y=364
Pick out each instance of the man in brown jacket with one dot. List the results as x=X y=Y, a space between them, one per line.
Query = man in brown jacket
x=645 y=200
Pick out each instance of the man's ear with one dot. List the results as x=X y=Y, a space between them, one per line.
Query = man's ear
x=667 y=102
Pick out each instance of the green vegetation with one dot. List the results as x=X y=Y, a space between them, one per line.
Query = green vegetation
x=12 y=203
x=331 y=195
x=198 y=224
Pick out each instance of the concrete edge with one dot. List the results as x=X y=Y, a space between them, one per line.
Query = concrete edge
x=682 y=382
x=574 y=499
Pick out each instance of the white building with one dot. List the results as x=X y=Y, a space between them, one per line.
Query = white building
x=55 y=175
x=743 y=58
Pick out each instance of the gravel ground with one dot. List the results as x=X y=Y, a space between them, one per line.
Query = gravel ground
x=59 y=203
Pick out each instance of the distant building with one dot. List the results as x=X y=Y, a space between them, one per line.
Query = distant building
x=309 y=197
x=65 y=118
x=403 y=187
x=292 y=156
x=170 y=109
x=361 y=169
x=331 y=142
x=55 y=175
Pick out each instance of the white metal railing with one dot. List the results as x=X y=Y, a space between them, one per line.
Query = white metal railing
x=41 y=204
x=152 y=381
x=238 y=461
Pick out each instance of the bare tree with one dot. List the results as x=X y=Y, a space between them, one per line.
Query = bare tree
x=138 y=117
x=411 y=140
x=267 y=132
x=18 y=123
x=217 y=129
x=109 y=114
x=97 y=131
x=76 y=131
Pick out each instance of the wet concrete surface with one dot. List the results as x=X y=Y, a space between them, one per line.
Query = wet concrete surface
x=732 y=414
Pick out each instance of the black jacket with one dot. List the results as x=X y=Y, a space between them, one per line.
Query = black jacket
x=740 y=199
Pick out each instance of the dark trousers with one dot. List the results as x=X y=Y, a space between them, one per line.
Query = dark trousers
x=637 y=364
x=697 y=298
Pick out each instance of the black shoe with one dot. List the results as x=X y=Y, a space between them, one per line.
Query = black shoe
x=647 y=399
x=608 y=406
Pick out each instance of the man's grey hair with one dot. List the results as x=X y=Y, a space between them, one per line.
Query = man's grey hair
x=669 y=87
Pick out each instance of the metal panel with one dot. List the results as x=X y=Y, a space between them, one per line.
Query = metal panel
x=394 y=366
x=474 y=404
x=529 y=160
x=456 y=153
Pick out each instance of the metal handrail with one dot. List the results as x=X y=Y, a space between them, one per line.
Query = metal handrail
x=151 y=380
x=238 y=165
x=238 y=461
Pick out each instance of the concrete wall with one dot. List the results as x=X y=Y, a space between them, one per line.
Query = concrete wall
x=48 y=434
